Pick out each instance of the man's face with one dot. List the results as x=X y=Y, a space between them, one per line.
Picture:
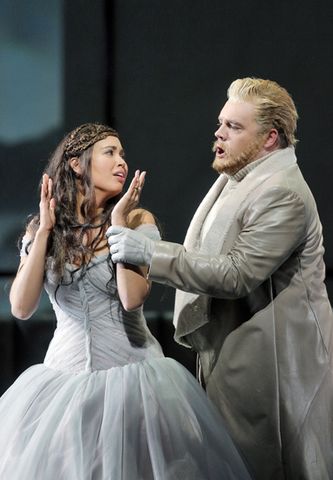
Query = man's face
x=238 y=141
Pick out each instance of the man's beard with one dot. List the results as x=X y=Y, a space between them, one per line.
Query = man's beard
x=233 y=163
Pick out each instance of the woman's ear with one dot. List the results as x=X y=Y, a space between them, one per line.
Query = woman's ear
x=75 y=165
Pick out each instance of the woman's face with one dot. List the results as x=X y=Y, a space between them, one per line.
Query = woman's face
x=108 y=169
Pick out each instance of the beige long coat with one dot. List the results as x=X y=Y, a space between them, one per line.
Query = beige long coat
x=258 y=315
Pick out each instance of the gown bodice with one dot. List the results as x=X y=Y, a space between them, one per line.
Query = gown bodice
x=94 y=331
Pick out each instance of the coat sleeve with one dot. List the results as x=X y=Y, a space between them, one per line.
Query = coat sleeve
x=272 y=229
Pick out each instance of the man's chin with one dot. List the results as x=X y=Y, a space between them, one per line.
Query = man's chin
x=224 y=166
x=216 y=166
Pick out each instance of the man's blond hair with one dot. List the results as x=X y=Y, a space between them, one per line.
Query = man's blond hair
x=273 y=104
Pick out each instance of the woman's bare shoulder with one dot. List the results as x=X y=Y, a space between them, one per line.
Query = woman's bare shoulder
x=139 y=216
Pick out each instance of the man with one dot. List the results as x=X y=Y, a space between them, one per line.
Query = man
x=251 y=298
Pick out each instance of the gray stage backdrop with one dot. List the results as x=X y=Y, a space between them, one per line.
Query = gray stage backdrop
x=158 y=71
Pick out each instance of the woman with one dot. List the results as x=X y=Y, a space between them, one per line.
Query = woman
x=106 y=403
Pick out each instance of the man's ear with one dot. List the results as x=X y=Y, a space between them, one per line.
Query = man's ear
x=75 y=165
x=272 y=139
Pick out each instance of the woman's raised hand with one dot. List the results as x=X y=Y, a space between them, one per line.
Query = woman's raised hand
x=46 y=205
x=129 y=201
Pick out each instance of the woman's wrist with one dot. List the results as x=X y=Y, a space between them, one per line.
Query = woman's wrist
x=43 y=234
x=118 y=220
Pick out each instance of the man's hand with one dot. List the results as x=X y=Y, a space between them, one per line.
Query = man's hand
x=129 y=246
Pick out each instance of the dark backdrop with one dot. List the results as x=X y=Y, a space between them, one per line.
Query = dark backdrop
x=173 y=62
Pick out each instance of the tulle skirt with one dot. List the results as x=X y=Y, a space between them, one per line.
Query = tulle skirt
x=145 y=421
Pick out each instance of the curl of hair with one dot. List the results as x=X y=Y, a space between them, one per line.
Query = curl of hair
x=273 y=105
x=72 y=240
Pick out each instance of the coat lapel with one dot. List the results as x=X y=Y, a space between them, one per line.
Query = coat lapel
x=219 y=230
x=191 y=242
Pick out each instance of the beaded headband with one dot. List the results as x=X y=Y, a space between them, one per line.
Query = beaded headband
x=85 y=136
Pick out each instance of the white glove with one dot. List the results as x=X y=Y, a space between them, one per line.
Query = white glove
x=130 y=246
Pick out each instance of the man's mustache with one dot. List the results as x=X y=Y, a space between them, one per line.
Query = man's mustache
x=221 y=145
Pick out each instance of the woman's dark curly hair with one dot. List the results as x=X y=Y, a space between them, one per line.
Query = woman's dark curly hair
x=71 y=240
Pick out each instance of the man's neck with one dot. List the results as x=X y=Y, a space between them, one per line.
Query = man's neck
x=238 y=176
